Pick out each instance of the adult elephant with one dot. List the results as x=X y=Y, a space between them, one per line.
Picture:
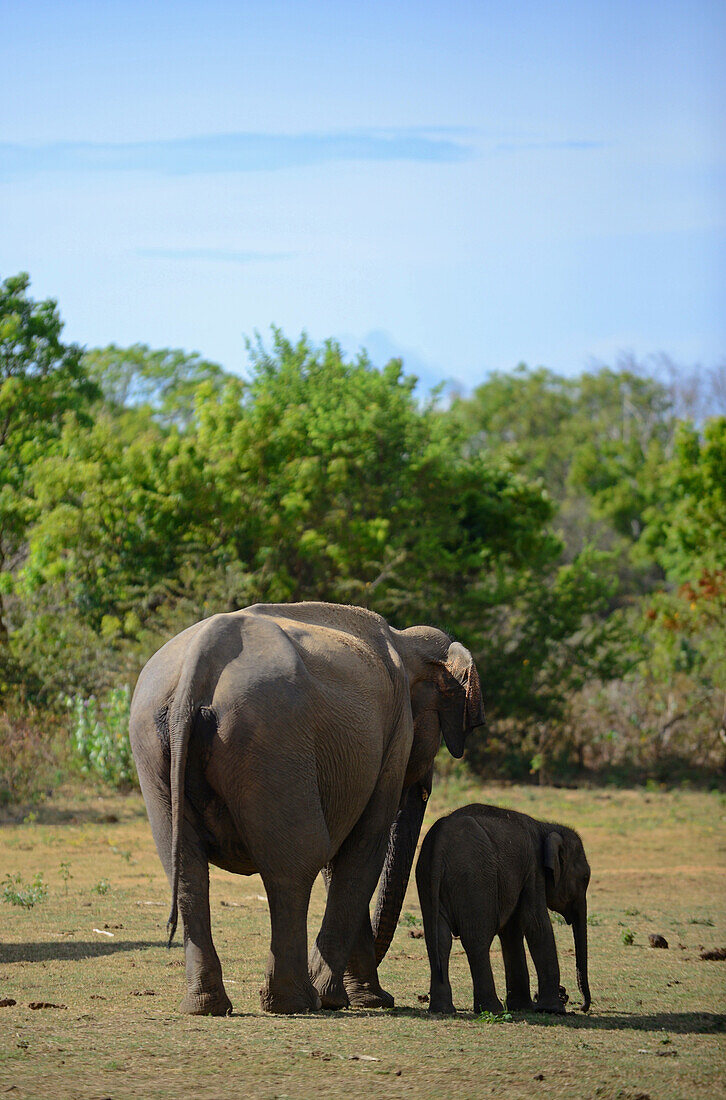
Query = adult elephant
x=282 y=739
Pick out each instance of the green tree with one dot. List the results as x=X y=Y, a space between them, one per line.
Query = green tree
x=597 y=442
x=622 y=430
x=349 y=490
x=321 y=478
x=41 y=380
x=125 y=529
x=522 y=416
x=163 y=381
x=686 y=533
x=685 y=528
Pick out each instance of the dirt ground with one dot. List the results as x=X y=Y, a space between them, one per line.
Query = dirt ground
x=92 y=951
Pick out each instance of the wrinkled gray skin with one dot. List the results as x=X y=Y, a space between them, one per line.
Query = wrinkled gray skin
x=484 y=871
x=284 y=739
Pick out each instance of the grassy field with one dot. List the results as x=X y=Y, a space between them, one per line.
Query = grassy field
x=93 y=949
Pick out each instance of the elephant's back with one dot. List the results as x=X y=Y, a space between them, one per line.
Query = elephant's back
x=304 y=708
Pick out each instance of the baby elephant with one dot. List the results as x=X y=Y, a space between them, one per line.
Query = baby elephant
x=484 y=871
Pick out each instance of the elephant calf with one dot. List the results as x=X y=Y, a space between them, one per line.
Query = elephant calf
x=485 y=871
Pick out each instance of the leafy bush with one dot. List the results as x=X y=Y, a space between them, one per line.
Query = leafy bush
x=27 y=894
x=101 y=736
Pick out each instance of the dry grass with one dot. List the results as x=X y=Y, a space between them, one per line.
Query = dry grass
x=654 y=1028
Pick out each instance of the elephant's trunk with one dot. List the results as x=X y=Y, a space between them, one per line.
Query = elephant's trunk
x=402 y=843
x=579 y=933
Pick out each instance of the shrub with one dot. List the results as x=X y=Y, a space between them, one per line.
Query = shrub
x=101 y=736
x=27 y=894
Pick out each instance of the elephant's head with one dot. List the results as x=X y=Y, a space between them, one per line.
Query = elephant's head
x=446 y=702
x=567 y=876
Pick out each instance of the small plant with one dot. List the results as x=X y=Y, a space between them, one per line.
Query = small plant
x=65 y=874
x=636 y=913
x=593 y=919
x=101 y=736
x=410 y=920
x=495 y=1017
x=26 y=894
x=102 y=886
x=627 y=937
x=701 y=920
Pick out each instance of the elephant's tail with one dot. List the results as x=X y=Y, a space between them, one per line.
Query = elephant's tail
x=202 y=664
x=180 y=725
x=217 y=643
x=428 y=881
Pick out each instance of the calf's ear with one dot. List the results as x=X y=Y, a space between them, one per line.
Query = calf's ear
x=554 y=851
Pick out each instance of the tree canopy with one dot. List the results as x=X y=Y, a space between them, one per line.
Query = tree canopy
x=555 y=525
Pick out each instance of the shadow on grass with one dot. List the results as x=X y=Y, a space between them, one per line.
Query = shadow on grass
x=685 y=1023
x=79 y=815
x=69 y=949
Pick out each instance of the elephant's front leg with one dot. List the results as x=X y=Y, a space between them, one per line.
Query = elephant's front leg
x=361 y=973
x=543 y=949
x=345 y=940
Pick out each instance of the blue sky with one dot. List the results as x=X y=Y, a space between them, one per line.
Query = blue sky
x=467 y=185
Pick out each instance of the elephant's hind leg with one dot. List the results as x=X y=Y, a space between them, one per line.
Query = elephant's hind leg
x=519 y=998
x=206 y=995
x=287 y=987
x=440 y=997
x=477 y=933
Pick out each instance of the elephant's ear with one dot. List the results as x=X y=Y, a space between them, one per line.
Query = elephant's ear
x=460 y=664
x=474 y=712
x=554 y=854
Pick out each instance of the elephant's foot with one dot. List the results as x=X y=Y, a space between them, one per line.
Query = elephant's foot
x=518 y=1004
x=290 y=1001
x=551 y=1005
x=367 y=995
x=441 y=1001
x=488 y=1004
x=207 y=1004
x=329 y=985
x=334 y=998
